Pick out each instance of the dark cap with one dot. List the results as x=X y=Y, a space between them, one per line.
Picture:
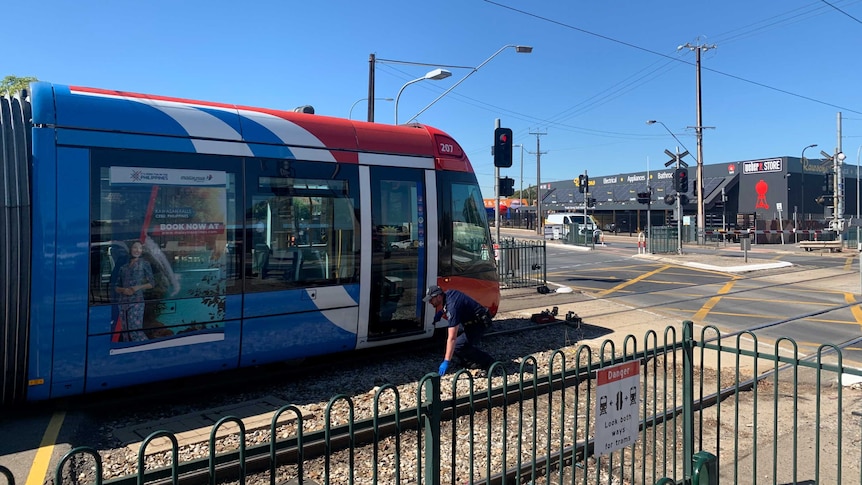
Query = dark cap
x=433 y=291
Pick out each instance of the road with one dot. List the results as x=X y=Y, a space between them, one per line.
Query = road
x=812 y=299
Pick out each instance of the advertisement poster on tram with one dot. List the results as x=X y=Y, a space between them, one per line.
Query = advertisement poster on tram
x=168 y=282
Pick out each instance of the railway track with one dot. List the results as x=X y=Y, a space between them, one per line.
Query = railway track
x=366 y=431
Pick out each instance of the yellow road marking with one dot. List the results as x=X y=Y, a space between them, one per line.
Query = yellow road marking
x=704 y=310
x=633 y=281
x=855 y=310
x=39 y=469
x=788 y=302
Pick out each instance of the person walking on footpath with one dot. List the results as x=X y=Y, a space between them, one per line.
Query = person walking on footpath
x=467 y=320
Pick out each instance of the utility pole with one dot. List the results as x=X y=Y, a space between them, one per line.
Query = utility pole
x=701 y=227
x=839 y=178
x=371 y=61
x=540 y=221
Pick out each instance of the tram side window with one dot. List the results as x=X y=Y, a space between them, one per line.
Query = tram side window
x=471 y=244
x=161 y=241
x=303 y=233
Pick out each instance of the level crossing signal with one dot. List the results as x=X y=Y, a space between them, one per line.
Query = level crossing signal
x=680 y=180
x=503 y=147
x=507 y=186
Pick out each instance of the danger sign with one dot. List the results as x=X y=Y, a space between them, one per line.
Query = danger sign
x=617 y=412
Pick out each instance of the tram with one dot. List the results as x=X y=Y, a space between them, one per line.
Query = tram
x=146 y=238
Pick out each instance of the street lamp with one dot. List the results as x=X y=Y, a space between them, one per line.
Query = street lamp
x=802 y=204
x=434 y=75
x=652 y=122
x=350 y=113
x=521 y=190
x=521 y=49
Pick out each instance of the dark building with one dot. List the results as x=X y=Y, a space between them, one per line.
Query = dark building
x=771 y=192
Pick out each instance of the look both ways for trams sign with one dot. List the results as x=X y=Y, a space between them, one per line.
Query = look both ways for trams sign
x=617 y=415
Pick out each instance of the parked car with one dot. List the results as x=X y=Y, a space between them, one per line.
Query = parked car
x=405 y=244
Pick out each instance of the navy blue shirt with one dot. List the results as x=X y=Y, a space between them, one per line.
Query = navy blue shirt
x=460 y=308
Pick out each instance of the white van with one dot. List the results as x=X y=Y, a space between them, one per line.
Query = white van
x=586 y=223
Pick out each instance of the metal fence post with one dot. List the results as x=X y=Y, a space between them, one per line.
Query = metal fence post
x=544 y=262
x=431 y=417
x=687 y=397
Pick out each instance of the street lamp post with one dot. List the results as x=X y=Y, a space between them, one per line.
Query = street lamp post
x=652 y=122
x=373 y=60
x=802 y=203
x=434 y=75
x=521 y=49
x=350 y=113
x=521 y=190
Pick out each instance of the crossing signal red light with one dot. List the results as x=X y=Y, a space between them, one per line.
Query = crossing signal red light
x=503 y=147
x=680 y=180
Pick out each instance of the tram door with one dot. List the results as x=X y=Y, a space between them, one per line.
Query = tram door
x=399 y=256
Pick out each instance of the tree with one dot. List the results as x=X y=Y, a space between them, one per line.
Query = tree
x=13 y=84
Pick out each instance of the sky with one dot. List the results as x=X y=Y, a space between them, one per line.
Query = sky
x=775 y=74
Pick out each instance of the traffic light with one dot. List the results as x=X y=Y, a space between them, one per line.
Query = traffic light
x=829 y=182
x=694 y=188
x=507 y=186
x=644 y=197
x=680 y=180
x=591 y=202
x=583 y=183
x=503 y=147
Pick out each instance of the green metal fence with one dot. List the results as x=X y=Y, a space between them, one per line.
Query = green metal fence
x=663 y=240
x=711 y=409
x=521 y=263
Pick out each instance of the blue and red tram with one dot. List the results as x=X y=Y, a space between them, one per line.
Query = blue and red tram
x=147 y=238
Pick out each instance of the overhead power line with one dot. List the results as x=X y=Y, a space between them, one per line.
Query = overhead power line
x=655 y=53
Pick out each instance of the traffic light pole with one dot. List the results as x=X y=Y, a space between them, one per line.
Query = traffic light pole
x=678 y=209
x=497 y=192
x=586 y=203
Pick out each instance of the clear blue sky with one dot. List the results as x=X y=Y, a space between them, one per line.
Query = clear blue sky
x=780 y=73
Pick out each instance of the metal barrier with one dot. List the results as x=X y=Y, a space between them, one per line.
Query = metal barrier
x=706 y=407
x=522 y=264
x=663 y=240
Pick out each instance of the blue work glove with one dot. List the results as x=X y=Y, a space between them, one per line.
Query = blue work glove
x=443 y=366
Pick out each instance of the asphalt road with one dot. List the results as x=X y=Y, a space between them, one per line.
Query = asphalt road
x=780 y=290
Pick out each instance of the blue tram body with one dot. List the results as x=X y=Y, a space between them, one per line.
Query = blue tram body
x=269 y=236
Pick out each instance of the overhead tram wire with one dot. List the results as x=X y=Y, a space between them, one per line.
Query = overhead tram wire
x=842 y=11
x=598 y=99
x=656 y=53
